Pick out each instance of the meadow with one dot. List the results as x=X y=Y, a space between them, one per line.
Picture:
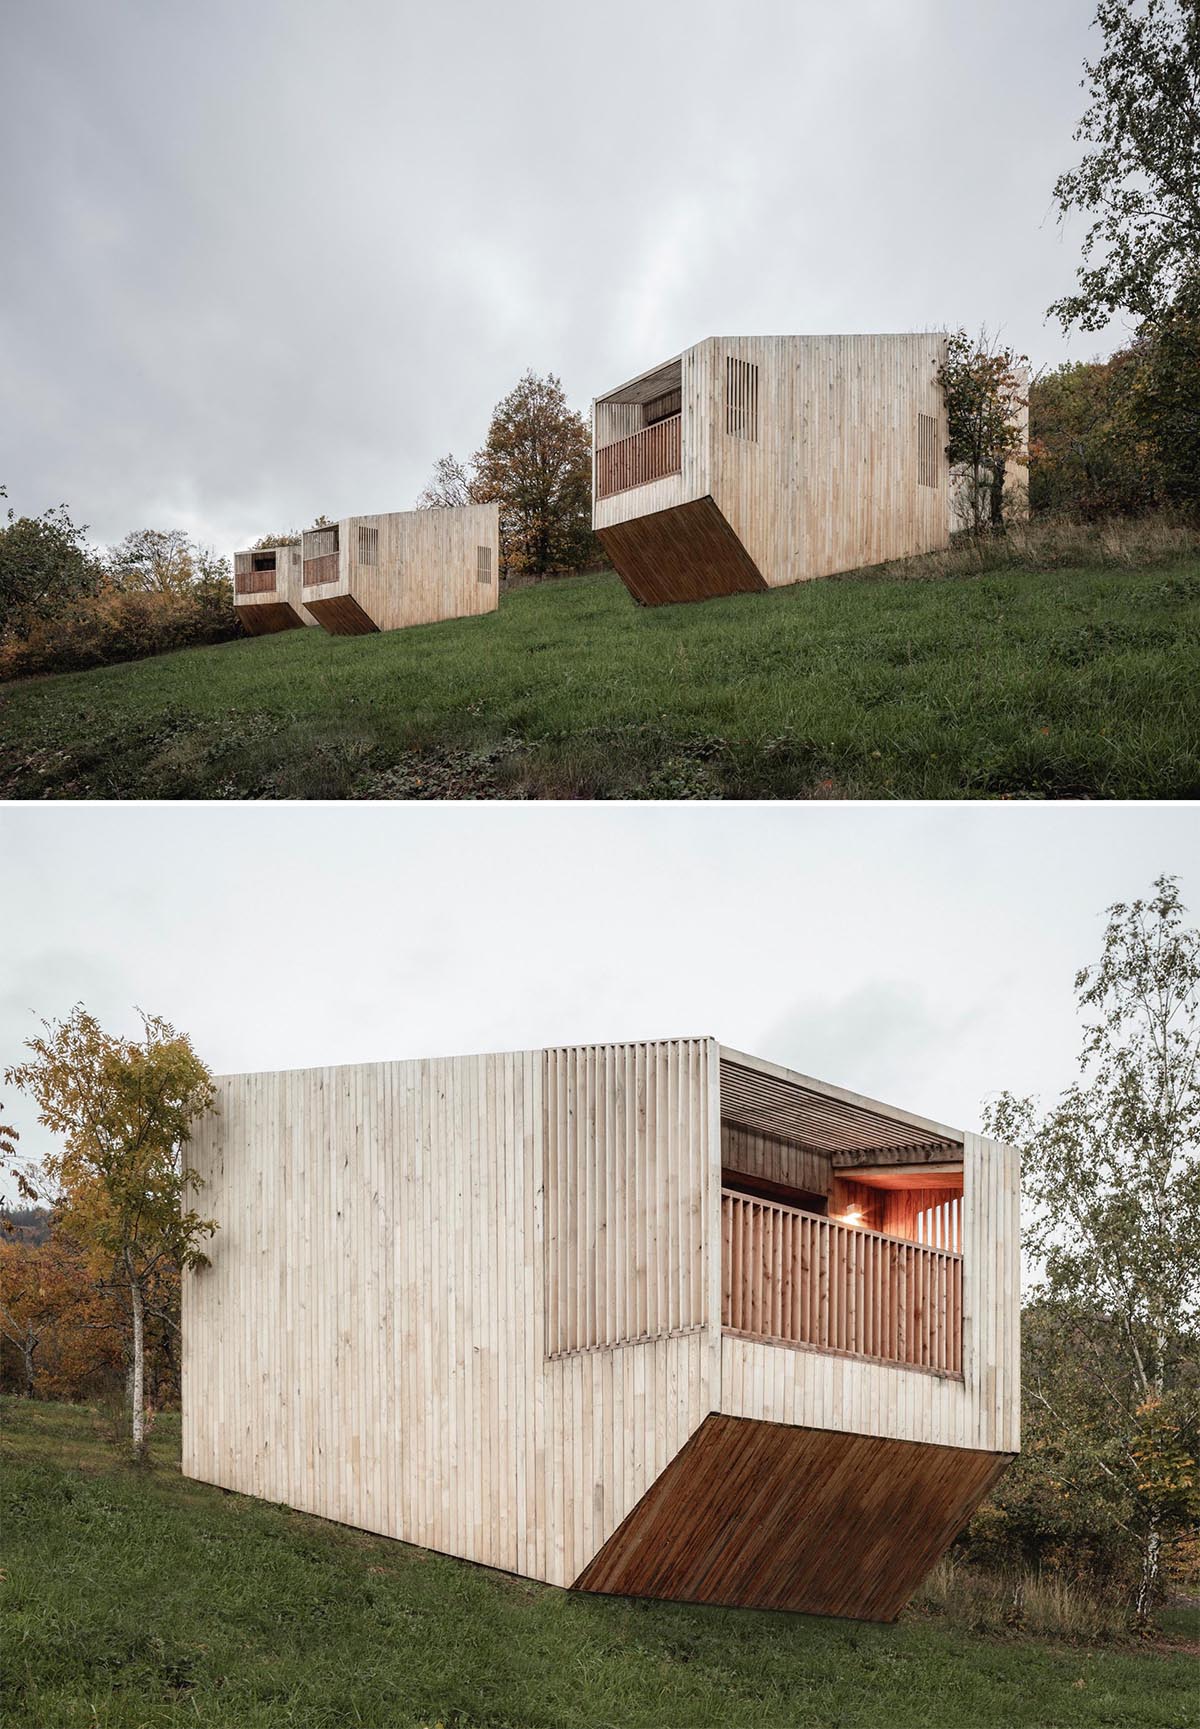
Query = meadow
x=1034 y=674
x=134 y=1598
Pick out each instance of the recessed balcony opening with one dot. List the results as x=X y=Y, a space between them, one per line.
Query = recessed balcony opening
x=841 y=1227
x=320 y=556
x=638 y=431
x=254 y=572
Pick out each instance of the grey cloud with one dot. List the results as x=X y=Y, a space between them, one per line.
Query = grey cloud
x=274 y=259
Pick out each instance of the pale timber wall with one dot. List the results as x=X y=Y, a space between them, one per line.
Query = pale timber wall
x=370 y=1341
x=425 y=565
x=793 y=1384
x=830 y=482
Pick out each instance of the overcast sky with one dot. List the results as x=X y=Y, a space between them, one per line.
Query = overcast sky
x=924 y=956
x=273 y=259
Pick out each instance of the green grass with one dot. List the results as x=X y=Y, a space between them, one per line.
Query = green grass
x=1033 y=683
x=139 y=1598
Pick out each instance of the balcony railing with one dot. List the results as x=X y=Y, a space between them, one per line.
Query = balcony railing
x=800 y=1279
x=254 y=582
x=647 y=455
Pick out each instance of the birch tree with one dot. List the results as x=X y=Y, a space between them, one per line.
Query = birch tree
x=1111 y=1179
x=123 y=1111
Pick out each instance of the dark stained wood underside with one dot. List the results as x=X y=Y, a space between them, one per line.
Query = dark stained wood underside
x=686 y=553
x=269 y=615
x=767 y=1516
x=341 y=615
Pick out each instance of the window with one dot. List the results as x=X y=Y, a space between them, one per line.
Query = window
x=483 y=564
x=368 y=545
x=928 y=455
x=741 y=399
x=263 y=561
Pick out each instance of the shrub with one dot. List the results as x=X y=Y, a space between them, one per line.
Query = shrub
x=114 y=626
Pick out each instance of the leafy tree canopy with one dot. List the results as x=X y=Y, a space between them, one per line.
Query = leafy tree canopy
x=1140 y=179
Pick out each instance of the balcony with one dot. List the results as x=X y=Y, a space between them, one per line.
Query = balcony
x=651 y=454
x=320 y=549
x=797 y=1278
x=254 y=573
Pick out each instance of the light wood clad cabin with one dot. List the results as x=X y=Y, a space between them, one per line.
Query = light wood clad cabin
x=370 y=573
x=266 y=589
x=750 y=462
x=660 y=1319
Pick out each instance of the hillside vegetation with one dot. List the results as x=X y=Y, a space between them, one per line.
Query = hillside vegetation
x=140 y=1598
x=935 y=679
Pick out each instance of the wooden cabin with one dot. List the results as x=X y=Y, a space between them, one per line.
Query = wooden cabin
x=659 y=1319
x=750 y=462
x=266 y=589
x=370 y=573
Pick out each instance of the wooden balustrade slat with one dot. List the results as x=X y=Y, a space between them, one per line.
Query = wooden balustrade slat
x=643 y=456
x=802 y=1279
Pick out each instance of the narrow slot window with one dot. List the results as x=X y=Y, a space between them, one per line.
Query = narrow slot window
x=483 y=564
x=368 y=545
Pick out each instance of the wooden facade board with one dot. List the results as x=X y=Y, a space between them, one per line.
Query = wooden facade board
x=341 y=615
x=771 y=1516
x=687 y=553
x=269 y=617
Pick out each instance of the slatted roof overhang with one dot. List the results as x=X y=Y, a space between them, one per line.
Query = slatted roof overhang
x=650 y=385
x=777 y=1101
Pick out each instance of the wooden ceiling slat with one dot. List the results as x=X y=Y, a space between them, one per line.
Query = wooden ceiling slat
x=784 y=1106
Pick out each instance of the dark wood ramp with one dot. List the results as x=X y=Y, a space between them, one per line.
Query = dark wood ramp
x=341 y=615
x=767 y=1516
x=271 y=615
x=686 y=553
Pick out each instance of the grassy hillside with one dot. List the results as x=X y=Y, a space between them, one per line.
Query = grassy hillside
x=1075 y=682
x=143 y=1599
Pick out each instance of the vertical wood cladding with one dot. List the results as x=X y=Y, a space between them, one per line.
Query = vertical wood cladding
x=369 y=1342
x=406 y=567
x=475 y=1303
x=767 y=1516
x=626 y=1179
x=821 y=453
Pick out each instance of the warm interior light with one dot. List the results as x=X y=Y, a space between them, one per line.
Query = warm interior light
x=853 y=1216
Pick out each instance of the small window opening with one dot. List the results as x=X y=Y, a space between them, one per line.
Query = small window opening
x=741 y=399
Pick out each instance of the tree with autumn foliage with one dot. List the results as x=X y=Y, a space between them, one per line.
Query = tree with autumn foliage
x=1111 y=1179
x=536 y=464
x=123 y=1110
x=63 y=1325
x=985 y=384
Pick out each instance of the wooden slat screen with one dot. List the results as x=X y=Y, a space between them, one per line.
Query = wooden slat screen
x=483 y=564
x=368 y=545
x=741 y=398
x=254 y=582
x=927 y=450
x=642 y=457
x=624 y=1178
x=800 y=1279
